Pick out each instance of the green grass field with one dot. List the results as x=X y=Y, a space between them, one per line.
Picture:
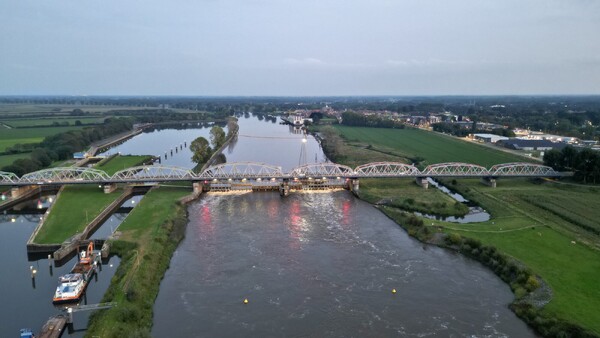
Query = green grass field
x=37 y=122
x=564 y=254
x=75 y=207
x=404 y=193
x=9 y=159
x=121 y=162
x=408 y=144
x=10 y=137
x=18 y=109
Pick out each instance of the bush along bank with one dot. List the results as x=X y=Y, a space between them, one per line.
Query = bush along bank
x=525 y=285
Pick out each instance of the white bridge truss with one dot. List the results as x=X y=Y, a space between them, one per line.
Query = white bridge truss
x=242 y=170
x=255 y=170
x=143 y=173
x=65 y=174
x=387 y=169
x=8 y=177
x=452 y=169
x=521 y=169
x=327 y=169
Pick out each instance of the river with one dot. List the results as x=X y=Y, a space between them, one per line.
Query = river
x=317 y=264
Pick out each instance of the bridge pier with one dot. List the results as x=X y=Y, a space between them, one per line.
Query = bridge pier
x=489 y=181
x=16 y=192
x=108 y=188
x=198 y=186
x=422 y=181
x=284 y=188
x=354 y=185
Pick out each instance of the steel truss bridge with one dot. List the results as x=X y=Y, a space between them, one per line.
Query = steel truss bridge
x=244 y=171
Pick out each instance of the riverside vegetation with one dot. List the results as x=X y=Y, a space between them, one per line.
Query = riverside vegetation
x=541 y=239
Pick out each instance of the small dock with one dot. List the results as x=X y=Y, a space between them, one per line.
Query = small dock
x=54 y=327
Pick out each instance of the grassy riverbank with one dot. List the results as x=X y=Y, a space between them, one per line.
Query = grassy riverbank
x=552 y=229
x=121 y=162
x=74 y=208
x=404 y=193
x=150 y=235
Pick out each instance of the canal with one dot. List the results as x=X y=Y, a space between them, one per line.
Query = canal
x=317 y=264
x=27 y=301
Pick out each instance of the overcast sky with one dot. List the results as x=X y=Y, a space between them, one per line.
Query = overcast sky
x=299 y=47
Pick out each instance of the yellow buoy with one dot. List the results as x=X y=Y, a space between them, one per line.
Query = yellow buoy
x=393 y=290
x=245 y=300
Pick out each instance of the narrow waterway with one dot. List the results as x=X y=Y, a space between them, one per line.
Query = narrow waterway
x=317 y=264
x=27 y=302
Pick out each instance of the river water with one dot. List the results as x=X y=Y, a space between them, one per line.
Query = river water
x=317 y=264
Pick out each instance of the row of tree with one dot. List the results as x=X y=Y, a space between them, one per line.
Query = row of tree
x=351 y=118
x=585 y=163
x=201 y=148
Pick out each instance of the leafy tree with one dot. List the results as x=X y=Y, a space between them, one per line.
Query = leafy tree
x=232 y=126
x=201 y=150
x=217 y=136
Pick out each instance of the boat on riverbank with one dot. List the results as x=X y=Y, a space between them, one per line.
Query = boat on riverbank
x=72 y=286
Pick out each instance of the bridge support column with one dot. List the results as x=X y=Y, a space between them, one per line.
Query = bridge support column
x=108 y=188
x=489 y=181
x=354 y=185
x=16 y=192
x=198 y=187
x=423 y=182
x=284 y=188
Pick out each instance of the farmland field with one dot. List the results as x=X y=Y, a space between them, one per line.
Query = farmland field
x=10 y=137
x=411 y=144
x=9 y=159
x=30 y=122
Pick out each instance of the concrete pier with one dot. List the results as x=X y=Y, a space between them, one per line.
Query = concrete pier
x=489 y=181
x=423 y=182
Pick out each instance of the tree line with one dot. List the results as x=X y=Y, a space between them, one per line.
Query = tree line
x=350 y=118
x=62 y=146
x=201 y=148
x=585 y=163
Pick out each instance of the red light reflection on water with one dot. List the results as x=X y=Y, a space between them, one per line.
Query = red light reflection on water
x=346 y=206
x=206 y=225
x=295 y=225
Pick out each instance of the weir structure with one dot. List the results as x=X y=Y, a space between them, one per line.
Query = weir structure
x=262 y=176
